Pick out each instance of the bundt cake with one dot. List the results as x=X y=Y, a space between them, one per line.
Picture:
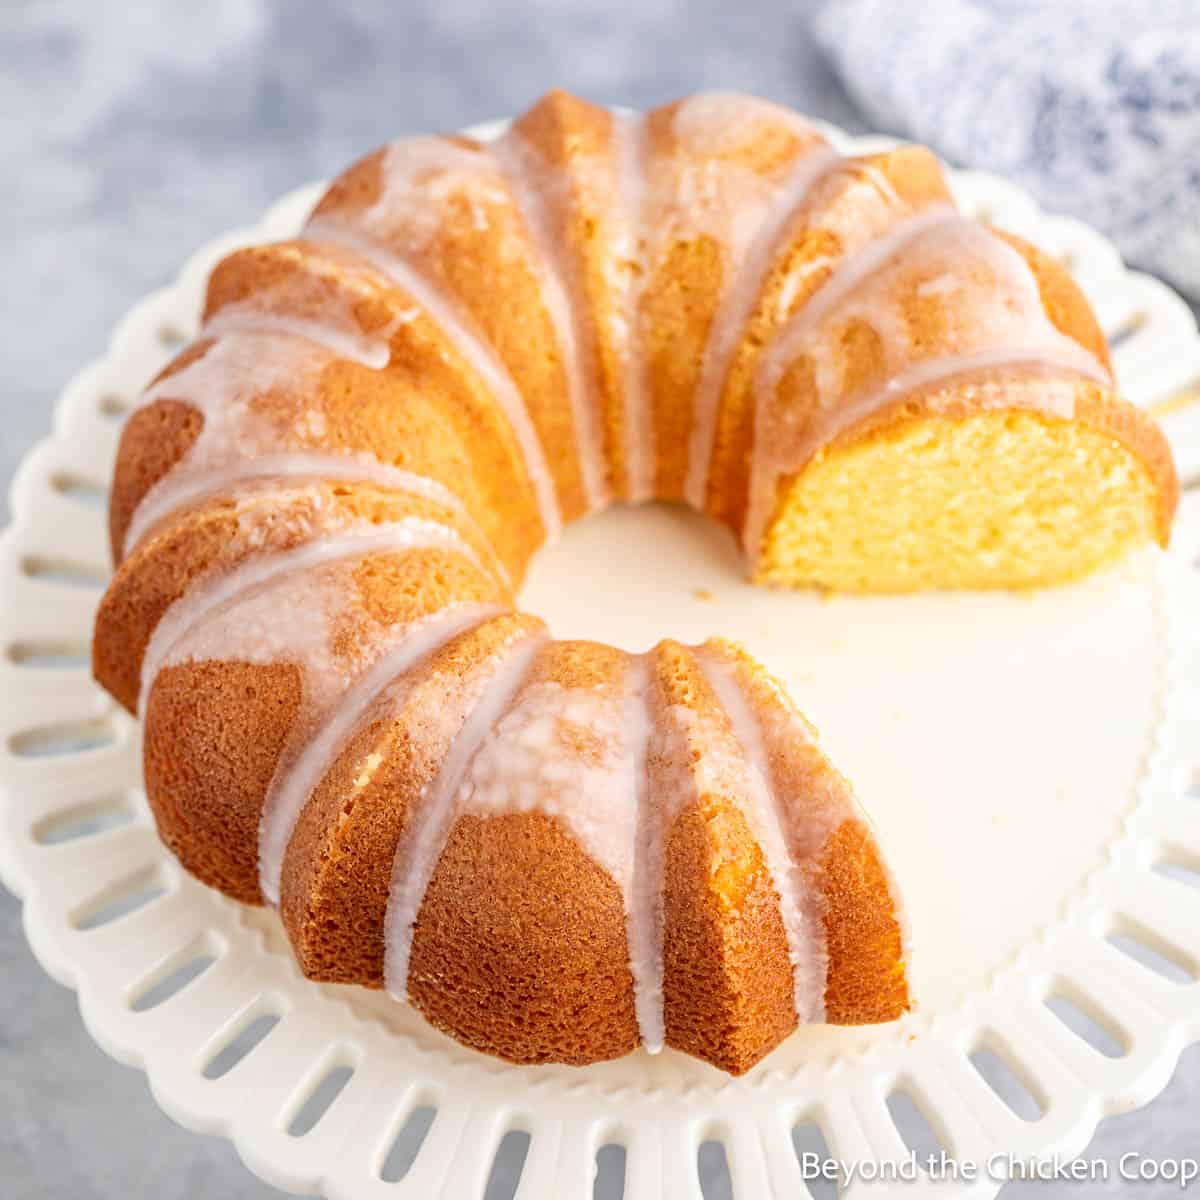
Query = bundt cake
x=557 y=850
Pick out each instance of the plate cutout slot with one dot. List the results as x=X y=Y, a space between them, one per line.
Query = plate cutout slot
x=49 y=655
x=83 y=491
x=120 y=899
x=712 y=1167
x=1149 y=950
x=1083 y=1018
x=83 y=820
x=241 y=1045
x=608 y=1179
x=1176 y=401
x=62 y=572
x=507 y=1164
x=176 y=973
x=321 y=1098
x=812 y=1153
x=1126 y=331
x=1179 y=866
x=66 y=737
x=406 y=1145
x=913 y=1126
x=1007 y=1082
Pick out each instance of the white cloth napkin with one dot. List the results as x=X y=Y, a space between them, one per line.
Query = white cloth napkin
x=1093 y=105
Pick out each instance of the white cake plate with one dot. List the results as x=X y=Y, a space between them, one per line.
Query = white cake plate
x=1028 y=760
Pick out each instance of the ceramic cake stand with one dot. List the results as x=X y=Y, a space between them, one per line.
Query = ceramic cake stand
x=1026 y=759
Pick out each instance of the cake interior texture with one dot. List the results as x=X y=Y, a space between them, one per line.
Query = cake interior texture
x=994 y=500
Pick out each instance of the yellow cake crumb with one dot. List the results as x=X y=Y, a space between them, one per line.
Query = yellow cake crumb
x=995 y=500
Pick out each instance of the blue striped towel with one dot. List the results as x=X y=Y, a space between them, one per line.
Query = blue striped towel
x=1093 y=105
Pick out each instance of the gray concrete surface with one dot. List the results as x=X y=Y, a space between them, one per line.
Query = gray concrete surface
x=130 y=132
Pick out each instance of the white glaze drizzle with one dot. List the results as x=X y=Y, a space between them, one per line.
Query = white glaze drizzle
x=420 y=176
x=1008 y=327
x=473 y=350
x=254 y=354
x=708 y=120
x=530 y=761
x=227 y=381
x=577 y=755
x=812 y=816
x=851 y=272
x=524 y=170
x=711 y=186
x=701 y=188
x=644 y=908
x=181 y=487
x=296 y=780
x=1057 y=403
x=775 y=823
x=736 y=307
x=230 y=384
x=369 y=350
x=425 y=836
x=175 y=637
x=629 y=149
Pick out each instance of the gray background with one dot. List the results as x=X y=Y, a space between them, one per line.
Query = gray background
x=132 y=131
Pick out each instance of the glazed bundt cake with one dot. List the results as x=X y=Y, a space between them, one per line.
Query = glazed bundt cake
x=557 y=850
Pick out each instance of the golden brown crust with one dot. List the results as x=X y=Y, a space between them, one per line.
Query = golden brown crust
x=198 y=714
x=476 y=246
x=337 y=870
x=221 y=532
x=530 y=928
x=680 y=291
x=205 y=779
x=520 y=948
x=576 y=138
x=1064 y=302
x=154 y=439
x=867 y=980
x=727 y=979
x=427 y=412
x=337 y=867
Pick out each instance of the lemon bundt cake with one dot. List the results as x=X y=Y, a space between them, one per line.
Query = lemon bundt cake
x=557 y=850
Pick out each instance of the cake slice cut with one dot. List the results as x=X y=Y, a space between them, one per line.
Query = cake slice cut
x=840 y=209
x=944 y=415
